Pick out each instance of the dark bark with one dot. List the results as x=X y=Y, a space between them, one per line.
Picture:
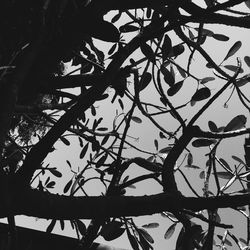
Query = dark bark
x=45 y=205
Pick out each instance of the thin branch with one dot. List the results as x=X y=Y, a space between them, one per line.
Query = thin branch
x=188 y=183
x=139 y=179
x=223 y=135
x=201 y=217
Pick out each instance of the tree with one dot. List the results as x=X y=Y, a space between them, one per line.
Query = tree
x=38 y=107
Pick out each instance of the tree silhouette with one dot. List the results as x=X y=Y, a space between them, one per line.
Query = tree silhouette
x=41 y=103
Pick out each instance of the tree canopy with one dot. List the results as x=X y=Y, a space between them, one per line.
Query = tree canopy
x=65 y=66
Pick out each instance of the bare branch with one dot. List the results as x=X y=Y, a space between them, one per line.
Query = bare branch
x=46 y=205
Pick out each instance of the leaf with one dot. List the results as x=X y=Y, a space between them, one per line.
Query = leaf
x=175 y=88
x=148 y=52
x=81 y=227
x=65 y=141
x=50 y=184
x=247 y=3
x=203 y=142
x=168 y=77
x=145 y=80
x=212 y=126
x=55 y=172
x=169 y=215
x=121 y=103
x=146 y=235
x=233 y=50
x=170 y=231
x=225 y=240
x=244 y=175
x=202 y=175
x=247 y=60
x=209 y=65
x=191 y=35
x=102 y=129
x=150 y=166
x=243 y=241
x=164 y=101
x=136 y=119
x=114 y=235
x=201 y=94
x=112 y=230
x=101 y=161
x=192 y=166
x=132 y=240
x=132 y=186
x=148 y=12
x=243 y=80
x=80 y=142
x=162 y=136
x=180 y=242
x=165 y=150
x=151 y=225
x=105 y=139
x=228 y=184
x=181 y=71
x=224 y=175
x=51 y=226
x=177 y=50
x=125 y=179
x=102 y=97
x=166 y=47
x=105 y=31
x=68 y=162
x=93 y=111
x=116 y=17
x=72 y=224
x=220 y=37
x=112 y=49
x=150 y=158
x=238 y=160
x=221 y=129
x=62 y=225
x=233 y=68
x=207 y=79
x=236 y=123
x=47 y=181
x=206 y=32
x=225 y=164
x=156 y=144
x=83 y=151
x=128 y=28
x=218 y=219
x=190 y=159
x=67 y=186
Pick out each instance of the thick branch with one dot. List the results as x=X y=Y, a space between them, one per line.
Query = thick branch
x=128 y=4
x=242 y=22
x=168 y=179
x=46 y=205
x=70 y=81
